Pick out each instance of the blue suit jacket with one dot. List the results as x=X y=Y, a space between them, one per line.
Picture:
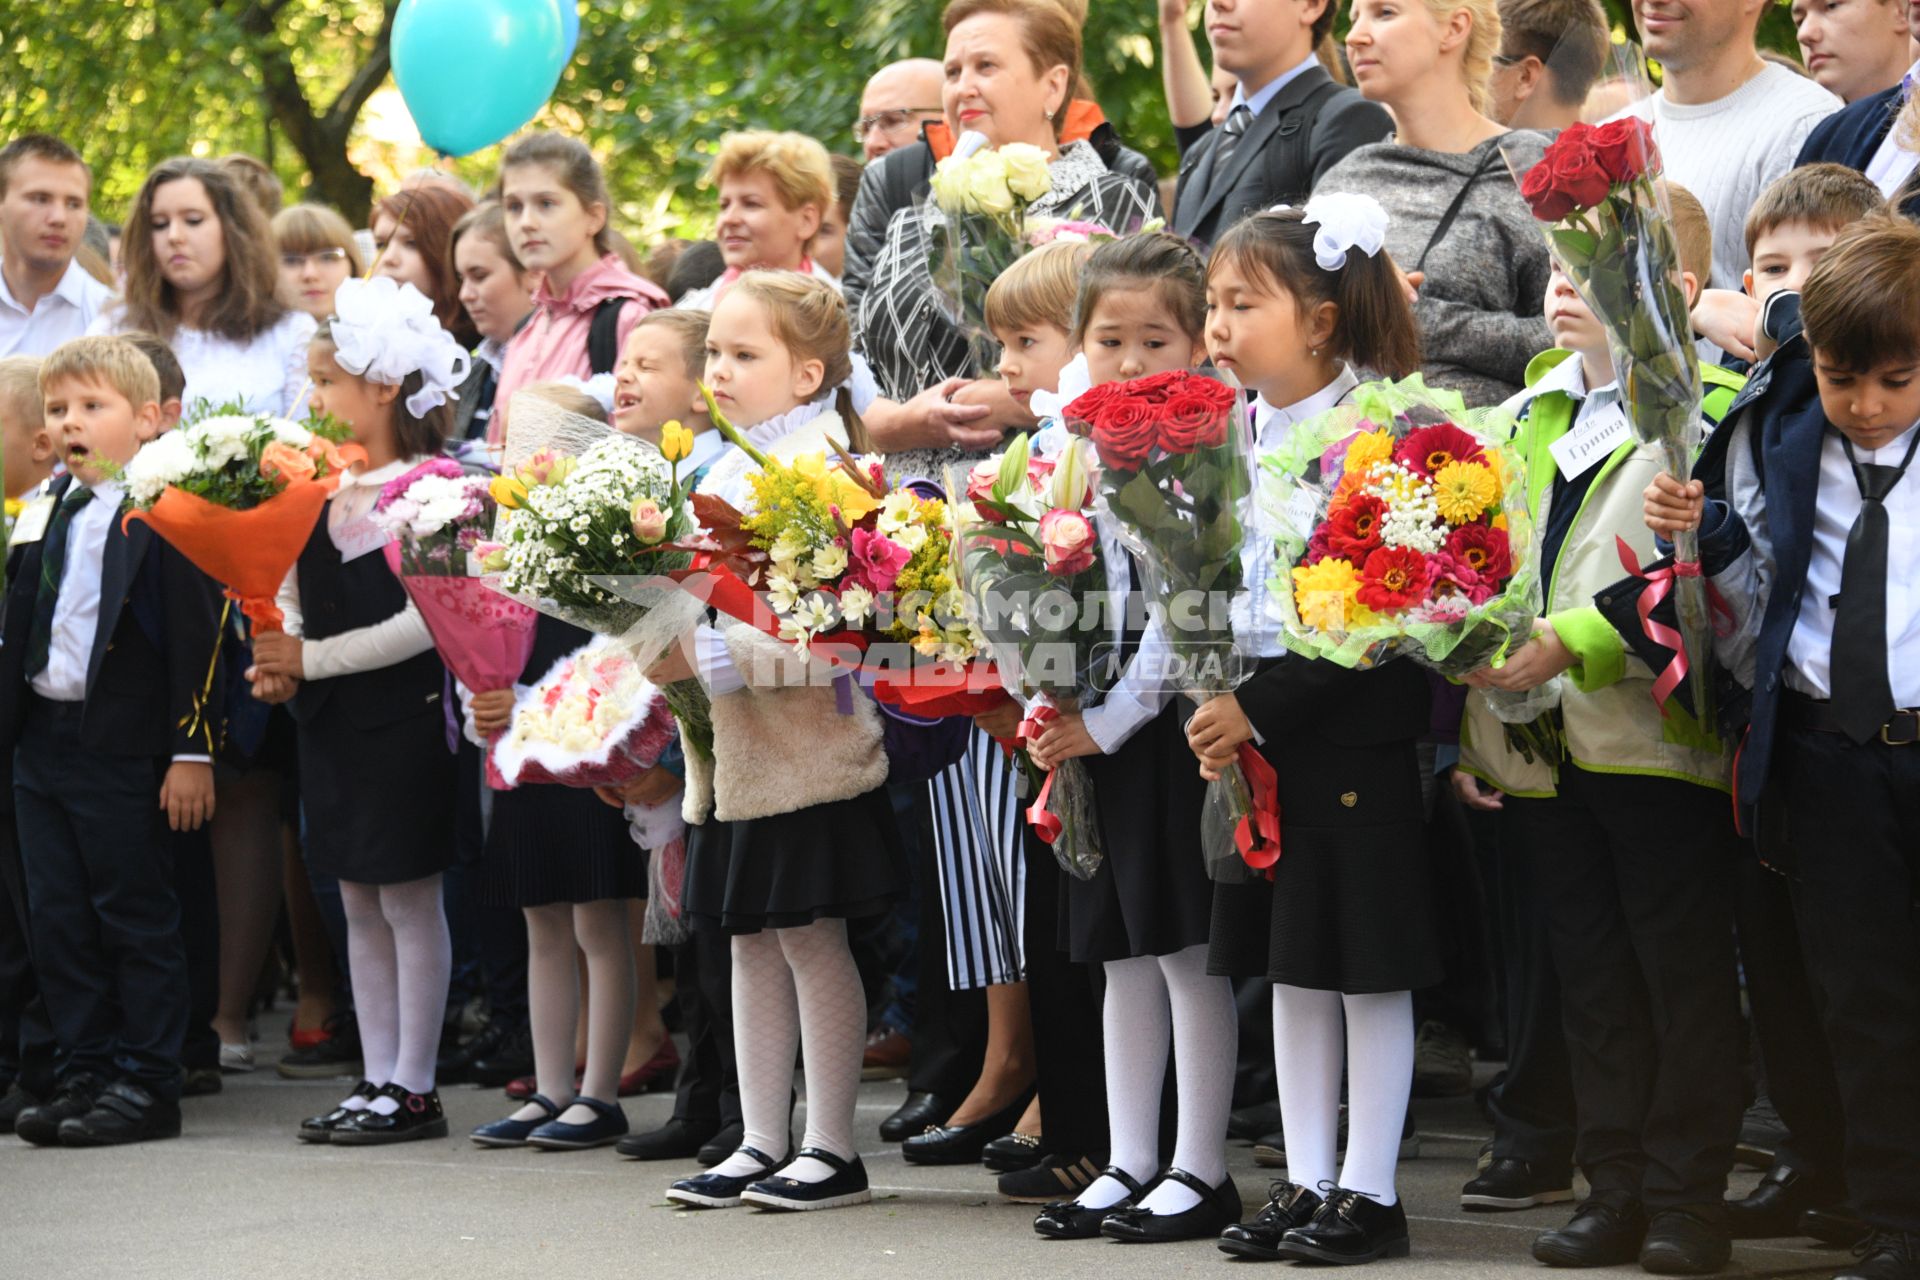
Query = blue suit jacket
x=1851 y=136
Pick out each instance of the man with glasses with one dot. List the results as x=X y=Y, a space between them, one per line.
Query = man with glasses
x=1551 y=52
x=898 y=100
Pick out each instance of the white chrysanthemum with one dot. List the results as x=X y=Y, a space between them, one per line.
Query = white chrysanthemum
x=897 y=511
x=829 y=562
x=783 y=592
x=856 y=604
x=790 y=545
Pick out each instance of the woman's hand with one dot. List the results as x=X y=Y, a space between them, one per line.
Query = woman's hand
x=277 y=653
x=1727 y=318
x=492 y=711
x=1001 y=722
x=1537 y=661
x=1671 y=507
x=1474 y=793
x=1218 y=728
x=934 y=419
x=1064 y=738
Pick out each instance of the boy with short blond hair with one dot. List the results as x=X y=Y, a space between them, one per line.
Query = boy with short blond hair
x=26 y=450
x=105 y=703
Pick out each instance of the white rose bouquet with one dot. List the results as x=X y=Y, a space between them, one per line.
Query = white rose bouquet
x=978 y=228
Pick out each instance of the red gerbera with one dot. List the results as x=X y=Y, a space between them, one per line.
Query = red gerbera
x=1427 y=449
x=1392 y=579
x=1483 y=549
x=1353 y=527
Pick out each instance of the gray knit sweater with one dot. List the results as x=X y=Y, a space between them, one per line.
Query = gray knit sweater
x=1480 y=308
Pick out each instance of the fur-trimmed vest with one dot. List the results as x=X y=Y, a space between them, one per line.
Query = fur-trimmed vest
x=781 y=744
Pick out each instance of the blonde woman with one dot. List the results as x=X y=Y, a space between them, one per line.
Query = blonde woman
x=775 y=192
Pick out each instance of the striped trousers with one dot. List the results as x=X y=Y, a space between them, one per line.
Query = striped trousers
x=983 y=877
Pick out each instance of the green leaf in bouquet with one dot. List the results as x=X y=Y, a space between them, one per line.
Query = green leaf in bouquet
x=1575 y=246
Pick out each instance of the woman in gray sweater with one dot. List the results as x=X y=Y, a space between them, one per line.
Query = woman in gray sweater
x=1459 y=227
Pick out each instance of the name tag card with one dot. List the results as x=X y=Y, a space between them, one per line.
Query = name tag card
x=1595 y=439
x=358 y=537
x=31 y=526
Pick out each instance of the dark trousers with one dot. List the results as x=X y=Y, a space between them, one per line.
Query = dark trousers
x=949 y=1027
x=106 y=923
x=1853 y=824
x=1635 y=876
x=1786 y=1026
x=1066 y=1021
x=26 y=1038
x=709 y=1090
x=200 y=938
x=1533 y=1104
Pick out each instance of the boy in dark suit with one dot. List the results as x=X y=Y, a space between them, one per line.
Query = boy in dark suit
x=1813 y=538
x=103 y=663
x=1288 y=124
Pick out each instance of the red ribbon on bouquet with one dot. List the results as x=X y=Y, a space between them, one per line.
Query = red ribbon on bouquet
x=1046 y=825
x=1659 y=585
x=1258 y=834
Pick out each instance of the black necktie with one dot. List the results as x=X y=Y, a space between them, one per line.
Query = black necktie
x=1231 y=132
x=1862 y=691
x=53 y=560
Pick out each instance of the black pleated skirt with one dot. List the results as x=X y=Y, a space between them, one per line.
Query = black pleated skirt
x=843 y=860
x=552 y=844
x=1151 y=895
x=378 y=802
x=1351 y=904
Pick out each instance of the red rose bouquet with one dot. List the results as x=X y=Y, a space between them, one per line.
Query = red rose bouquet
x=1401 y=529
x=1597 y=192
x=1177 y=476
x=1029 y=565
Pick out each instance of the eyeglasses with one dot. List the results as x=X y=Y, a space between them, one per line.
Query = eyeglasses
x=1508 y=59
x=888 y=121
x=322 y=257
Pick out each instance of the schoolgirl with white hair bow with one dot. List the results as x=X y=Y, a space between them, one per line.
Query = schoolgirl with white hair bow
x=356 y=661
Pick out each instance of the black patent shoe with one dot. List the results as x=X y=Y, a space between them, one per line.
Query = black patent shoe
x=1069 y=1220
x=1515 y=1184
x=1289 y=1205
x=1686 y=1242
x=1606 y=1231
x=920 y=1112
x=41 y=1125
x=508 y=1132
x=123 y=1112
x=1835 y=1225
x=320 y=1128
x=1014 y=1152
x=1773 y=1208
x=721 y=1190
x=1885 y=1255
x=1219 y=1207
x=675 y=1140
x=963 y=1143
x=1349 y=1228
x=846 y=1185
x=420 y=1116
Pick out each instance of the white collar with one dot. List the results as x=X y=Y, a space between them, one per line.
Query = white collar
x=72 y=289
x=108 y=492
x=1569 y=377
x=380 y=475
x=774 y=429
x=707 y=445
x=1319 y=402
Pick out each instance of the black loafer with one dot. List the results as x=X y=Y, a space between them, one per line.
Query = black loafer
x=1218 y=1209
x=508 y=1132
x=725 y=1143
x=1066 y=1220
x=1349 y=1228
x=608 y=1126
x=420 y=1116
x=17 y=1099
x=1289 y=1205
x=1885 y=1255
x=1835 y=1225
x=963 y=1143
x=1606 y=1231
x=1773 y=1208
x=675 y=1140
x=74 y=1097
x=919 y=1113
x=721 y=1190
x=1515 y=1184
x=1686 y=1242
x=320 y=1128
x=847 y=1185
x=124 y=1112
x=1014 y=1152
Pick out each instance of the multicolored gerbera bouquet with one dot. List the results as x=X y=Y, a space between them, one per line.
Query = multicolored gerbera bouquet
x=1035 y=584
x=1403 y=530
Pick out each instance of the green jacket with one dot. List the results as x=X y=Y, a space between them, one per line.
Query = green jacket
x=1610 y=722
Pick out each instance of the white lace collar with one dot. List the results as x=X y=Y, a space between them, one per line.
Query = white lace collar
x=1076 y=167
x=778 y=428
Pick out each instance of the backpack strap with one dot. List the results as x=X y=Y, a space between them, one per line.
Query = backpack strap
x=1289 y=153
x=603 y=336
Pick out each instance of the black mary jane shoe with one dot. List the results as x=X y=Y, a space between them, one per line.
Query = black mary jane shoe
x=420 y=1116
x=1014 y=1152
x=320 y=1128
x=508 y=1132
x=1069 y=1220
x=1349 y=1228
x=963 y=1143
x=721 y=1190
x=846 y=1185
x=608 y=1126
x=1218 y=1209
x=1289 y=1206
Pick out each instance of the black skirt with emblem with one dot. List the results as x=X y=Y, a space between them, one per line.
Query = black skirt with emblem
x=548 y=844
x=841 y=860
x=1150 y=895
x=1351 y=904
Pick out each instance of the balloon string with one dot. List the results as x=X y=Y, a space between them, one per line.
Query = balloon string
x=380 y=252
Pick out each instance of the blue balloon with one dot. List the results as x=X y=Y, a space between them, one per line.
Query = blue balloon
x=570 y=24
x=473 y=71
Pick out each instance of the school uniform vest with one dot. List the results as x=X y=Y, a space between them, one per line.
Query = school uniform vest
x=338 y=596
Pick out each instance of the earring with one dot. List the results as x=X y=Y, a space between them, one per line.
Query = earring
x=1049 y=115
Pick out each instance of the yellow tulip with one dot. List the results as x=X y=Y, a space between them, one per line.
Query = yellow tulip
x=676 y=442
x=508 y=491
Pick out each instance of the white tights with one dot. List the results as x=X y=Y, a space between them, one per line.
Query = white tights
x=1376 y=1045
x=601 y=931
x=401 y=958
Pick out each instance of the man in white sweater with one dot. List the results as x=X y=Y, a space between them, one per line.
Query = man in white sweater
x=1728 y=123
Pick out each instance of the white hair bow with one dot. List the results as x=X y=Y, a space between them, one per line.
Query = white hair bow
x=383 y=331
x=1347 y=221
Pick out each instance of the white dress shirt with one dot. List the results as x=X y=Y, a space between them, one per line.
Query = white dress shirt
x=66 y=313
x=1257 y=101
x=76 y=612
x=265 y=375
x=1810 y=646
x=1893 y=164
